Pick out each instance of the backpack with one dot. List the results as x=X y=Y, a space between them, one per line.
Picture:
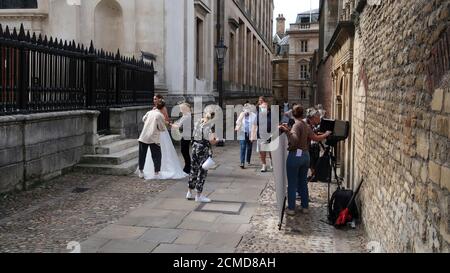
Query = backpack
x=338 y=202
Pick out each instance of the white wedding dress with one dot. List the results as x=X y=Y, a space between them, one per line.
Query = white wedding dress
x=170 y=163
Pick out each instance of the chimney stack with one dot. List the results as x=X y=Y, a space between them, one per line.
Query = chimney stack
x=281 y=25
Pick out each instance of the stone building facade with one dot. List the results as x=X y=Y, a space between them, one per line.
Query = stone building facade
x=247 y=28
x=296 y=50
x=303 y=41
x=178 y=35
x=391 y=62
x=280 y=63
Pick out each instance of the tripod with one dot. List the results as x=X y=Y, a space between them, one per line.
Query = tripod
x=330 y=154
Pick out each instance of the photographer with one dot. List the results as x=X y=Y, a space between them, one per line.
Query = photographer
x=313 y=118
x=298 y=161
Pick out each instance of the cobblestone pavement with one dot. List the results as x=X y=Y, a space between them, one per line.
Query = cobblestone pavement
x=46 y=218
x=301 y=233
x=126 y=214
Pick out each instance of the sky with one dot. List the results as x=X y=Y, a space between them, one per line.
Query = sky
x=290 y=9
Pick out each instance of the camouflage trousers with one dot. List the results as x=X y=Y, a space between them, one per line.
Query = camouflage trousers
x=201 y=151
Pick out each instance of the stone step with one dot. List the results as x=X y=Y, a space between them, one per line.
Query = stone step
x=116 y=147
x=112 y=159
x=123 y=169
x=105 y=140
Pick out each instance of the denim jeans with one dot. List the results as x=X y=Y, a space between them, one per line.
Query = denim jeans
x=246 y=149
x=297 y=173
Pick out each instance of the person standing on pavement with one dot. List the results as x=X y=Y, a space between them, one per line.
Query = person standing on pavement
x=264 y=124
x=298 y=161
x=313 y=119
x=203 y=138
x=184 y=125
x=247 y=128
x=150 y=137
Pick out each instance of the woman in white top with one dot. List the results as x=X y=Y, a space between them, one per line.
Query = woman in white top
x=247 y=129
x=170 y=163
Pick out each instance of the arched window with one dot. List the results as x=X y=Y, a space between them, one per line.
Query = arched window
x=18 y=4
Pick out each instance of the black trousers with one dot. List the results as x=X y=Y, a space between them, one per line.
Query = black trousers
x=185 y=151
x=156 y=155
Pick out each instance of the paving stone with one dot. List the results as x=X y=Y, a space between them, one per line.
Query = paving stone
x=116 y=232
x=217 y=206
x=176 y=204
x=175 y=248
x=171 y=221
x=207 y=249
x=160 y=235
x=234 y=219
x=190 y=237
x=196 y=225
x=203 y=216
x=221 y=240
x=149 y=211
x=127 y=246
x=93 y=244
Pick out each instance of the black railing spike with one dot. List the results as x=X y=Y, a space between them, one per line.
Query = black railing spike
x=45 y=40
x=50 y=41
x=28 y=36
x=22 y=32
x=14 y=34
x=40 y=38
x=1 y=30
x=61 y=44
x=82 y=47
x=118 y=54
x=33 y=38
x=7 y=34
x=91 y=47
x=65 y=44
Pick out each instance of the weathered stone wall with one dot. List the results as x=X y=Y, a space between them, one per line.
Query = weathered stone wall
x=127 y=121
x=38 y=147
x=401 y=124
x=324 y=85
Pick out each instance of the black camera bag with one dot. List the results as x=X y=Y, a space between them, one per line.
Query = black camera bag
x=338 y=202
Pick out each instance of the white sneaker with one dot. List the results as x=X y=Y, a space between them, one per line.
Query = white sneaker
x=158 y=176
x=141 y=174
x=202 y=199
x=189 y=196
x=264 y=169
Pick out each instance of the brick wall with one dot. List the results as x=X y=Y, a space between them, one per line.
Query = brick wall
x=401 y=122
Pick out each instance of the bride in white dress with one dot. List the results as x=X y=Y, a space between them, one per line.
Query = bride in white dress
x=170 y=162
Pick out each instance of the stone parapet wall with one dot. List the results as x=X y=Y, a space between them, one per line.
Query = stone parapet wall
x=38 y=147
x=127 y=121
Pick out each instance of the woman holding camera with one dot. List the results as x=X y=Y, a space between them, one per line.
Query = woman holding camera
x=298 y=161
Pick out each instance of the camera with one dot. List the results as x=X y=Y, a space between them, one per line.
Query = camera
x=340 y=129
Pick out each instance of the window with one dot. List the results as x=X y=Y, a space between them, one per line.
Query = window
x=199 y=49
x=304 y=46
x=18 y=4
x=305 y=26
x=304 y=75
x=303 y=94
x=232 y=66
